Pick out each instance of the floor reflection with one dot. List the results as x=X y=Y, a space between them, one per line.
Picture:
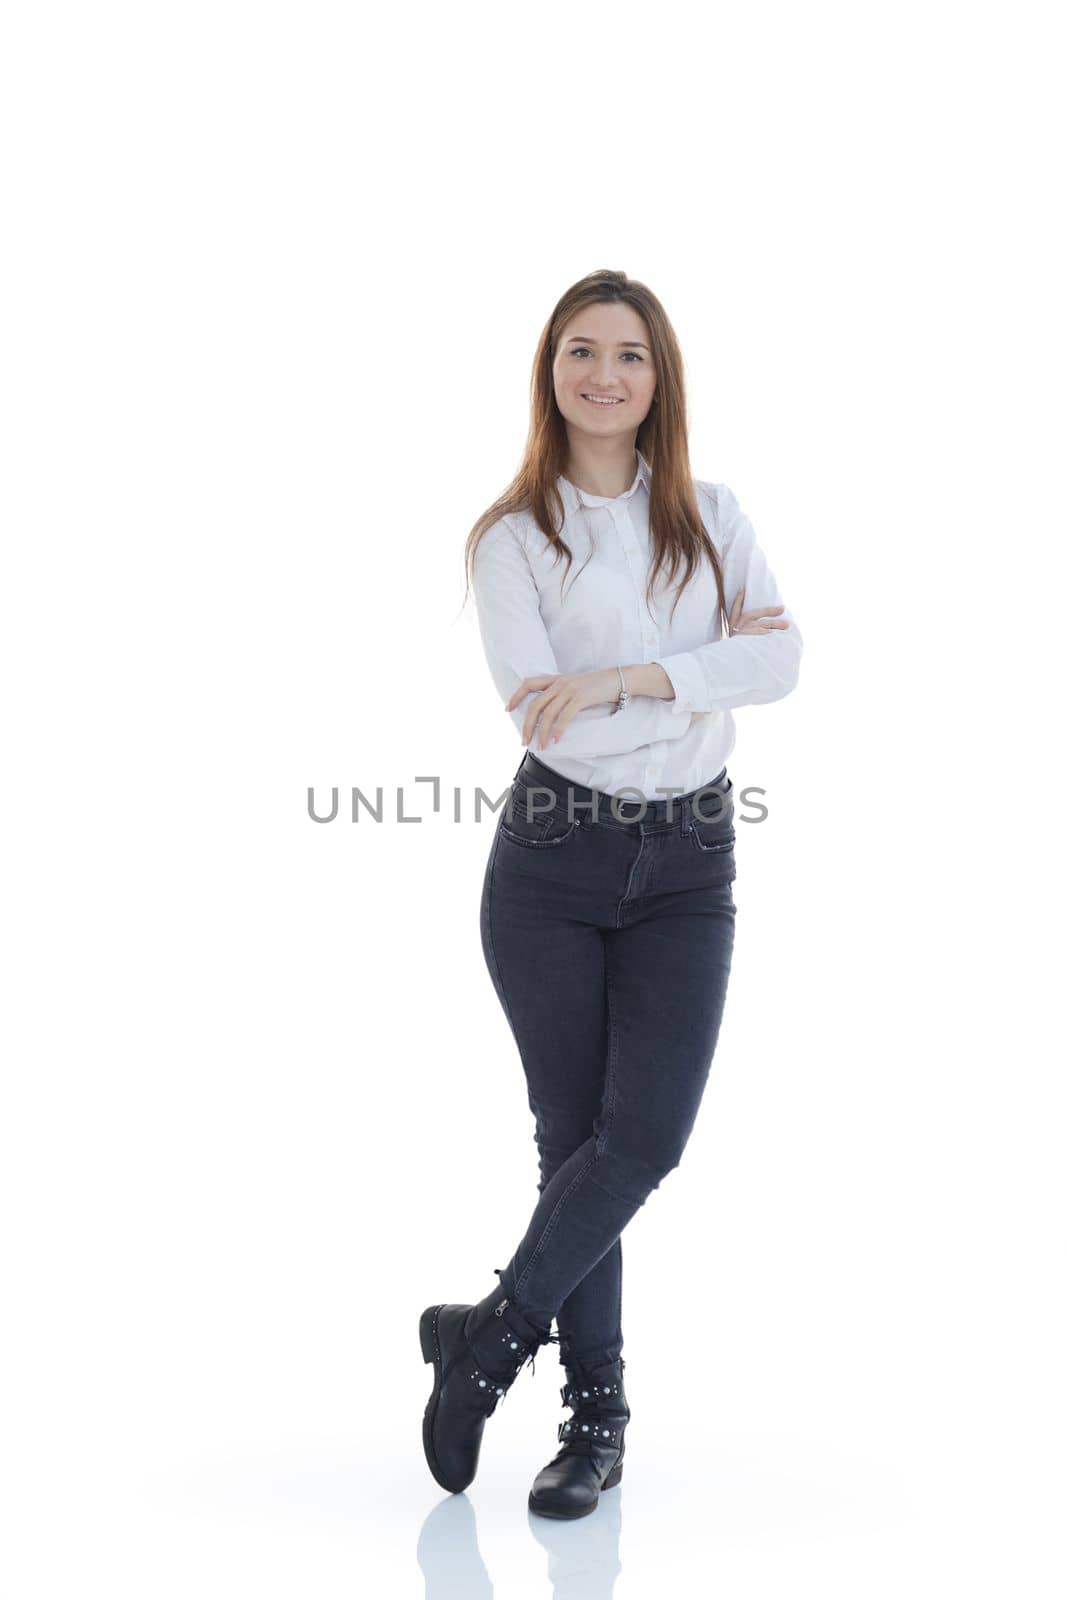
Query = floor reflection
x=448 y=1553
x=583 y=1555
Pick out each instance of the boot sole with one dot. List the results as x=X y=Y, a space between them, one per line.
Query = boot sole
x=431 y=1354
x=610 y=1481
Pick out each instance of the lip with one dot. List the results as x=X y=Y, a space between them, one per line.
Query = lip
x=599 y=399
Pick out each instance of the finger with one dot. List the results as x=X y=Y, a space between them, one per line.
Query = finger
x=534 y=714
x=518 y=693
x=533 y=711
x=538 y=682
x=548 y=724
x=559 y=714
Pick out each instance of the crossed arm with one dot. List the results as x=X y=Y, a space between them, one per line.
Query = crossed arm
x=757 y=663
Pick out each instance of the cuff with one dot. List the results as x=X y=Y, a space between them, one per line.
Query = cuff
x=688 y=680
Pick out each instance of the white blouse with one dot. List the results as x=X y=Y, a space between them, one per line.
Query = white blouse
x=534 y=620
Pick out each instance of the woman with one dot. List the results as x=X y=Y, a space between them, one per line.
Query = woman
x=609 y=588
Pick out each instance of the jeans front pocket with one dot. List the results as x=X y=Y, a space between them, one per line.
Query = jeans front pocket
x=714 y=845
x=523 y=820
x=713 y=836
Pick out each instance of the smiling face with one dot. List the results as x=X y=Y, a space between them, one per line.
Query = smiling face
x=604 y=351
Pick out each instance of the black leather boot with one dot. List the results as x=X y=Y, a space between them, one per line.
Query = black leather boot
x=593 y=1442
x=477 y=1352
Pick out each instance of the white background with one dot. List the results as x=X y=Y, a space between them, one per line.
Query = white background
x=274 y=278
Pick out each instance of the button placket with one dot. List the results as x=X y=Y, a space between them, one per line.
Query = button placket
x=628 y=540
x=647 y=631
x=621 y=522
x=622 y=544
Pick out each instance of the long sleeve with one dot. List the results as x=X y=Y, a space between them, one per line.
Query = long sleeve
x=517 y=646
x=744 y=669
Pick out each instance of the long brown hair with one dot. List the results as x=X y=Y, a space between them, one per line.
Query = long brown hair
x=676 y=529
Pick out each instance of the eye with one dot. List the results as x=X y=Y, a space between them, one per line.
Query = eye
x=584 y=350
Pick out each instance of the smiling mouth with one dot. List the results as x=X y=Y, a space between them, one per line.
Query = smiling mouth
x=603 y=400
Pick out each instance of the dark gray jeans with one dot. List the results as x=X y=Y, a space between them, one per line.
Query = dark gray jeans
x=608 y=939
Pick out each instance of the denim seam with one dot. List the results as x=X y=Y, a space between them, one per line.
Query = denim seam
x=613 y=1053
x=618 y=1297
x=629 y=881
x=550 y=1225
x=492 y=946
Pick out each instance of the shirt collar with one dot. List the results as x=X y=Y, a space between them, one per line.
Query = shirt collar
x=573 y=496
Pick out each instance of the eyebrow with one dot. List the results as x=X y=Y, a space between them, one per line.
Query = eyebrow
x=581 y=338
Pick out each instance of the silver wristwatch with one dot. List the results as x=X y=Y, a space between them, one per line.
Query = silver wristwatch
x=624 y=693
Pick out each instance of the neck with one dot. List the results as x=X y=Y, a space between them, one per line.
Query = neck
x=602 y=466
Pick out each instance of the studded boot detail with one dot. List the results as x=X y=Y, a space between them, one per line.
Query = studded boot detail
x=592 y=1442
x=476 y=1352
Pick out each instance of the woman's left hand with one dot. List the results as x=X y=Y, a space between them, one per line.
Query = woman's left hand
x=561 y=695
x=754 y=621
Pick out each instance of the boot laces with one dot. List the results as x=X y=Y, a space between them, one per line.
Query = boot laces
x=549 y=1338
x=495 y=1389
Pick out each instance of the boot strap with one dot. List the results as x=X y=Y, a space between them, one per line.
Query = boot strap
x=598 y=1430
x=515 y=1345
x=517 y=1349
x=587 y=1394
x=486 y=1386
